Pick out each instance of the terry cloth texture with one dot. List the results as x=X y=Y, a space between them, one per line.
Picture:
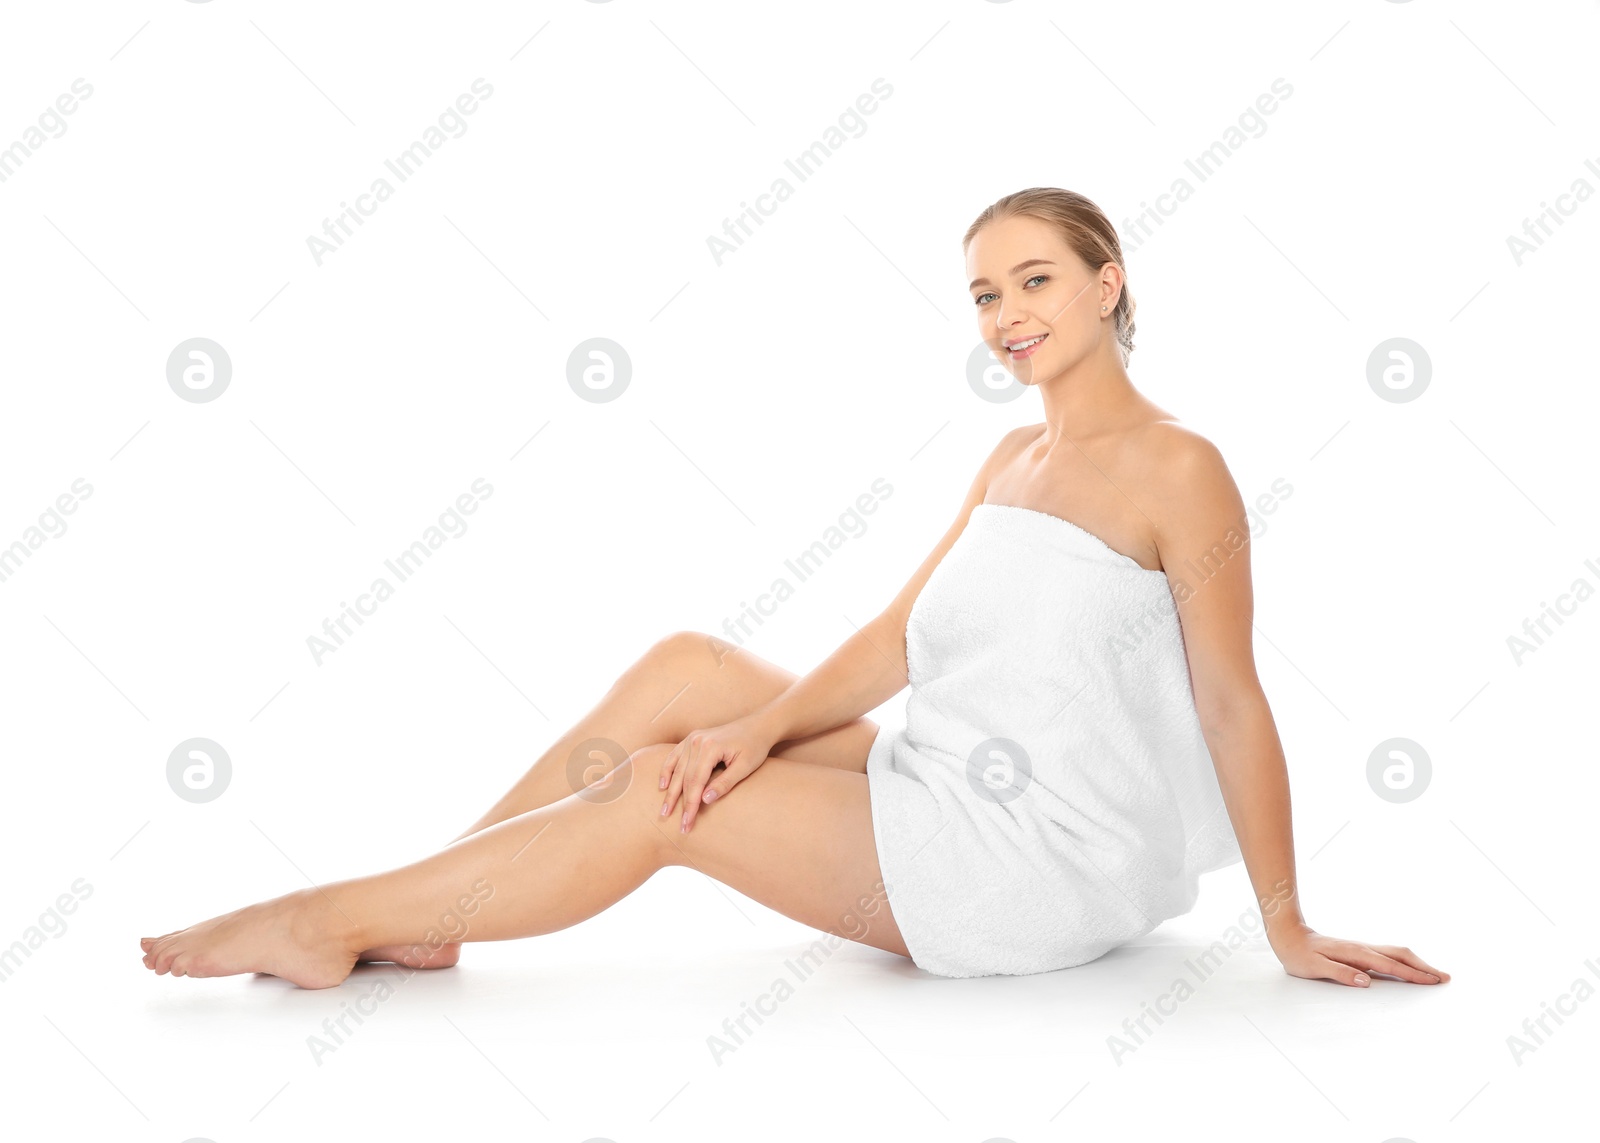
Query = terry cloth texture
x=1051 y=794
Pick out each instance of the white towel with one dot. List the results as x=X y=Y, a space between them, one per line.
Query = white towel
x=1091 y=819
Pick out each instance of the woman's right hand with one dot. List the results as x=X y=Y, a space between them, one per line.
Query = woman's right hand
x=740 y=746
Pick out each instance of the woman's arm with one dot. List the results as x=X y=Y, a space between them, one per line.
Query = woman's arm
x=1203 y=538
x=867 y=669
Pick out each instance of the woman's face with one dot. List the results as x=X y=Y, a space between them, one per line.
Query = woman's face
x=1027 y=282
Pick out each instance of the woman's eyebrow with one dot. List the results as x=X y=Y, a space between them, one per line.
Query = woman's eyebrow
x=1015 y=270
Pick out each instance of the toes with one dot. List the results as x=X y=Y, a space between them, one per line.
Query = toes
x=147 y=943
x=166 y=952
x=153 y=945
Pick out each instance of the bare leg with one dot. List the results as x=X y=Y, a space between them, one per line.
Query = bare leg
x=684 y=682
x=798 y=838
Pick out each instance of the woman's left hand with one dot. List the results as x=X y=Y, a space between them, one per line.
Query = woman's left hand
x=1308 y=953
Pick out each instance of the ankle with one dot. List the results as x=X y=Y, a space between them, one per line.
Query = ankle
x=316 y=920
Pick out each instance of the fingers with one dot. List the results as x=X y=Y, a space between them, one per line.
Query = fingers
x=695 y=787
x=1380 y=958
x=693 y=779
x=1356 y=961
x=686 y=776
x=1365 y=957
x=669 y=766
x=1312 y=965
x=689 y=773
x=721 y=784
x=1344 y=973
x=1405 y=956
x=682 y=776
x=732 y=774
x=674 y=782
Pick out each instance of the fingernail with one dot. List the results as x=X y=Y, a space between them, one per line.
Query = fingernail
x=710 y=796
x=664 y=808
x=1430 y=976
x=1363 y=978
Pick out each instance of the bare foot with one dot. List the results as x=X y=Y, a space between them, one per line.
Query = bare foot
x=415 y=956
x=300 y=936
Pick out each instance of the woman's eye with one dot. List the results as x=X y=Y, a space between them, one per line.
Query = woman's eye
x=1030 y=281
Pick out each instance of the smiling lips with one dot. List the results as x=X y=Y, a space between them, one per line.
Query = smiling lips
x=1022 y=349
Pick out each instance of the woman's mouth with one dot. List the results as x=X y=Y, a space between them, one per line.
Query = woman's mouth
x=1025 y=348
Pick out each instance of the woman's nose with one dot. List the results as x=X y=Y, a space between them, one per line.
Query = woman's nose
x=1010 y=318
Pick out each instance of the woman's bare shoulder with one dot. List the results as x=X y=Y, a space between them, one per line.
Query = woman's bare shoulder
x=1011 y=445
x=1185 y=477
x=1174 y=449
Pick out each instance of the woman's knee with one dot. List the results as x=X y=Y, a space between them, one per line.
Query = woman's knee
x=678 y=661
x=671 y=656
x=691 y=649
x=693 y=679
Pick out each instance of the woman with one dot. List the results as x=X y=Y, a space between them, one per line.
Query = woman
x=1084 y=707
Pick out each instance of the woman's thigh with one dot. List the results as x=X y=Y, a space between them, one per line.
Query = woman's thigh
x=711 y=682
x=793 y=835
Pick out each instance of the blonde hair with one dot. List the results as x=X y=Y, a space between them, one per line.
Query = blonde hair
x=1086 y=231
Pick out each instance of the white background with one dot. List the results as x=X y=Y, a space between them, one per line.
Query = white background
x=768 y=392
